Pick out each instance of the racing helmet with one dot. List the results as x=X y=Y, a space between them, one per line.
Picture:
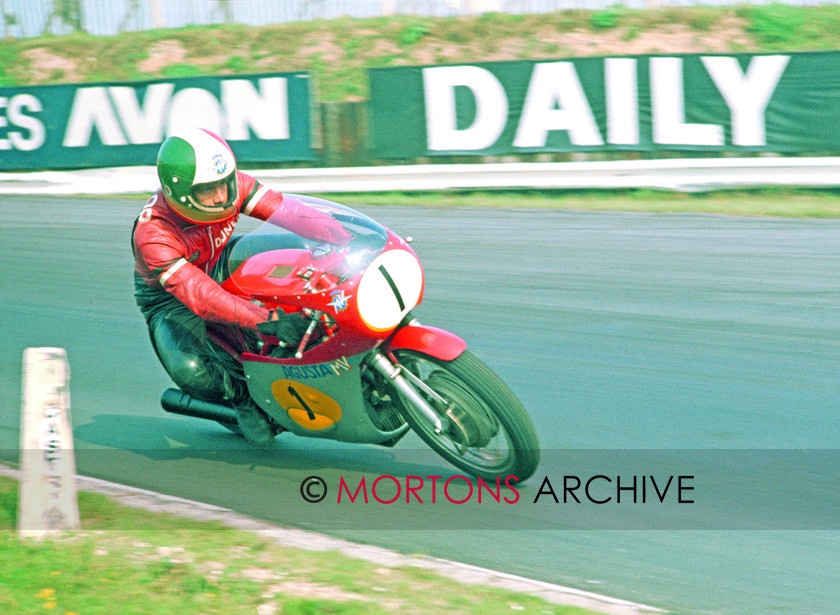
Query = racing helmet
x=191 y=161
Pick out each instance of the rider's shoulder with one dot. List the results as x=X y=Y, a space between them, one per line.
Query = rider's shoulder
x=245 y=183
x=157 y=217
x=154 y=204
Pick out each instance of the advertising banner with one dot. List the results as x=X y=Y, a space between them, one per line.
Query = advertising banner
x=264 y=117
x=735 y=103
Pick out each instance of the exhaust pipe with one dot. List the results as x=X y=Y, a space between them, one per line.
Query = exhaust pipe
x=178 y=402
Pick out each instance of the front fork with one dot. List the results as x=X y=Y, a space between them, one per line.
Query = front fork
x=408 y=384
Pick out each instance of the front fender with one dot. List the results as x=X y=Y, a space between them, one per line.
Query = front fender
x=432 y=341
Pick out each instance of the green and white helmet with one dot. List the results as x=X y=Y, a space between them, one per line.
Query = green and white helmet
x=193 y=159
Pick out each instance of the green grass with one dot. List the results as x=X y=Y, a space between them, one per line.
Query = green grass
x=8 y=59
x=607 y=18
x=338 y=52
x=776 y=202
x=175 y=565
x=181 y=70
x=769 y=202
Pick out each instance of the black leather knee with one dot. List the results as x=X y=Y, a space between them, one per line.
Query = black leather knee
x=181 y=346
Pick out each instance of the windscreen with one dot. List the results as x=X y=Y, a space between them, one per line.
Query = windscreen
x=369 y=237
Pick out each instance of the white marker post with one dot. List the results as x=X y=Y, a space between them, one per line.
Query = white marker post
x=48 y=499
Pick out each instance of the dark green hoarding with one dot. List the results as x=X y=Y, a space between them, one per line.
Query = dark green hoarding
x=265 y=118
x=735 y=103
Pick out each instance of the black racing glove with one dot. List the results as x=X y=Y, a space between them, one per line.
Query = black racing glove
x=288 y=328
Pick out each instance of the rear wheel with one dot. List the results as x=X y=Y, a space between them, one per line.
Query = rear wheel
x=488 y=432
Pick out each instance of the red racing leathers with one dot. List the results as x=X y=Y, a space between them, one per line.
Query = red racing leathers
x=176 y=255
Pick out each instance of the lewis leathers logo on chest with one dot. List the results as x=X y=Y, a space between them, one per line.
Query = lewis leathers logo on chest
x=221 y=235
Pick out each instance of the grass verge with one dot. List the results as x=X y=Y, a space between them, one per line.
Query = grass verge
x=338 y=52
x=775 y=202
x=184 y=566
x=790 y=202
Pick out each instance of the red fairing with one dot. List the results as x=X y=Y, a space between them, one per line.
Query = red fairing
x=176 y=255
x=432 y=341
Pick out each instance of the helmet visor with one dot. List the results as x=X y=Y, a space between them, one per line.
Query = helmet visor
x=211 y=194
x=215 y=199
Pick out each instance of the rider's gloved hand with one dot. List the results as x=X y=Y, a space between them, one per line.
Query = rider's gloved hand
x=287 y=328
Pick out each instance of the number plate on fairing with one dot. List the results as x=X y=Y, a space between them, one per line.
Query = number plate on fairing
x=390 y=287
x=320 y=400
x=307 y=406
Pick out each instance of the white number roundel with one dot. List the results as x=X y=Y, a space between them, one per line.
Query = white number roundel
x=390 y=287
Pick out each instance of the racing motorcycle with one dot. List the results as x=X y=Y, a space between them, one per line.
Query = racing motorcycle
x=365 y=370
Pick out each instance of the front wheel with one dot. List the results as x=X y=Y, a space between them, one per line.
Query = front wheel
x=489 y=433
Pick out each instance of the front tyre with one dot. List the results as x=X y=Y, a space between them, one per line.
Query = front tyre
x=489 y=432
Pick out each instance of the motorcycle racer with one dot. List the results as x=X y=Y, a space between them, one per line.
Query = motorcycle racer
x=180 y=242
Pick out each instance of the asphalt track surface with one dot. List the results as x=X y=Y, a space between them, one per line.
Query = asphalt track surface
x=643 y=345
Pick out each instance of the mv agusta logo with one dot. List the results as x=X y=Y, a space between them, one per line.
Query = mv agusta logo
x=219 y=164
x=339 y=300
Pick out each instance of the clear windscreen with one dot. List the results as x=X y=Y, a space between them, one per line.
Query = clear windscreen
x=368 y=238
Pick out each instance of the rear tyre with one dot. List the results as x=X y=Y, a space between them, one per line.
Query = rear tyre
x=490 y=434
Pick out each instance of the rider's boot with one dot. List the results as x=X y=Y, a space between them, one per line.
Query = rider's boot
x=254 y=424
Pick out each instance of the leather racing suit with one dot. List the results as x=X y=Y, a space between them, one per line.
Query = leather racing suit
x=178 y=268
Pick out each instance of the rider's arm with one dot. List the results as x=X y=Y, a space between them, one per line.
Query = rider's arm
x=263 y=203
x=207 y=299
x=164 y=259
